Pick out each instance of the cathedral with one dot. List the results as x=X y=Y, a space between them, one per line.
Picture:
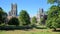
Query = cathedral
x=13 y=11
x=40 y=14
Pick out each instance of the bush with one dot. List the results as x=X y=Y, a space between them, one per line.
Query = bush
x=15 y=27
x=13 y=21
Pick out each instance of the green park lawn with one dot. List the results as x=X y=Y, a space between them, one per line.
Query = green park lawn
x=34 y=31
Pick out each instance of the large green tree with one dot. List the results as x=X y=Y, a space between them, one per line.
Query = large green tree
x=3 y=16
x=24 y=18
x=13 y=21
x=53 y=19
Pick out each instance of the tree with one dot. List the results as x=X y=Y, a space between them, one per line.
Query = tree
x=54 y=14
x=54 y=1
x=53 y=17
x=34 y=21
x=3 y=16
x=24 y=18
x=42 y=21
x=13 y=21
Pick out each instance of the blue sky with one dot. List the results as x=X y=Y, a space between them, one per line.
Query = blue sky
x=31 y=6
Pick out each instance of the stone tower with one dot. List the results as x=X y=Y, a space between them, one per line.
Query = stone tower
x=13 y=11
x=40 y=15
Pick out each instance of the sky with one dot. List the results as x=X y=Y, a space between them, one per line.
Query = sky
x=31 y=6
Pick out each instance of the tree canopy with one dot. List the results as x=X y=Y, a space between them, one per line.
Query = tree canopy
x=54 y=1
x=34 y=20
x=13 y=21
x=53 y=17
x=3 y=15
x=24 y=17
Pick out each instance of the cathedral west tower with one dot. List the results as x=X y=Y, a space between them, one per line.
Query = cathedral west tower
x=13 y=11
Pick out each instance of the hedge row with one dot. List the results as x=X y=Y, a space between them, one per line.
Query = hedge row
x=15 y=27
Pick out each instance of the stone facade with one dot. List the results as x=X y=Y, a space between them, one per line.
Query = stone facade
x=40 y=15
x=13 y=11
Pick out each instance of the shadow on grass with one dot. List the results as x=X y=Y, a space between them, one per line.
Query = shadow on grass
x=56 y=30
x=40 y=27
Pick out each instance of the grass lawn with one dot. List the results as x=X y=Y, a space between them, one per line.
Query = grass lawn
x=34 y=31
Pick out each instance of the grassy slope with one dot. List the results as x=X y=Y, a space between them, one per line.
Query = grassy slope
x=35 y=31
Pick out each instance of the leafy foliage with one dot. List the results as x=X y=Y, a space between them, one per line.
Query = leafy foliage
x=34 y=20
x=13 y=21
x=54 y=1
x=3 y=15
x=49 y=1
x=24 y=18
x=41 y=20
x=53 y=19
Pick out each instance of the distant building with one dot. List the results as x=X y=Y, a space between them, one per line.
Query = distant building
x=13 y=11
x=40 y=15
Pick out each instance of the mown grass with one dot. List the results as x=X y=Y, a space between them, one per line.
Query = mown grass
x=34 y=31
